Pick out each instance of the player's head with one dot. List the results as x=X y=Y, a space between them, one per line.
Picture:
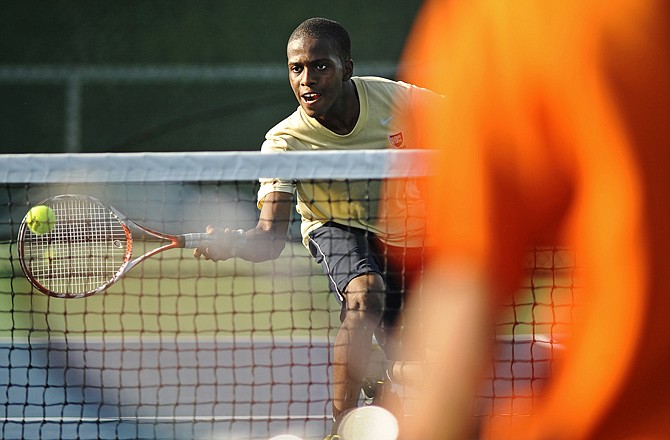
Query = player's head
x=319 y=63
x=327 y=30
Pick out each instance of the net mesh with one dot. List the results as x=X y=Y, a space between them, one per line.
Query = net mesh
x=187 y=348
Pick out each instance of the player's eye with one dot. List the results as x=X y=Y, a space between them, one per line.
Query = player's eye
x=321 y=67
x=295 y=69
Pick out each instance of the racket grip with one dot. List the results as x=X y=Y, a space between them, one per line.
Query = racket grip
x=195 y=239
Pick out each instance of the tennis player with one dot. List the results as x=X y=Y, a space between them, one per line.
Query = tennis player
x=561 y=114
x=367 y=249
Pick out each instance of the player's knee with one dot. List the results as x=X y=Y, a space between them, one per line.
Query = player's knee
x=367 y=303
x=365 y=295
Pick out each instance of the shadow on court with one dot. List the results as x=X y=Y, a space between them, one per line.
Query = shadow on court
x=132 y=390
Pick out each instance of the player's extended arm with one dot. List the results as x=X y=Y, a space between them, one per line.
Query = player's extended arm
x=262 y=243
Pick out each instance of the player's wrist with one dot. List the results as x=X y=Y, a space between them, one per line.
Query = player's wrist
x=239 y=242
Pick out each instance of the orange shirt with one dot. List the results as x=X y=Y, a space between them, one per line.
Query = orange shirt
x=555 y=129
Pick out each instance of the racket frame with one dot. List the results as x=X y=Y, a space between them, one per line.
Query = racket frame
x=174 y=242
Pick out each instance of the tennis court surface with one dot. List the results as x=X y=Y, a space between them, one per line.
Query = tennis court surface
x=222 y=390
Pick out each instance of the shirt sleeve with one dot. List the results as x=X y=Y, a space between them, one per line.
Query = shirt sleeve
x=274 y=144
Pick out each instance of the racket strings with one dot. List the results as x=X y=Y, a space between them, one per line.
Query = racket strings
x=83 y=252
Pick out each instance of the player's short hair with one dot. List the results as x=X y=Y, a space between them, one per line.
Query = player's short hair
x=324 y=28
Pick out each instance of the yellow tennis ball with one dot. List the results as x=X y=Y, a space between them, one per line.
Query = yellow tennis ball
x=41 y=219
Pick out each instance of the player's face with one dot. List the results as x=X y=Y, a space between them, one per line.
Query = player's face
x=317 y=75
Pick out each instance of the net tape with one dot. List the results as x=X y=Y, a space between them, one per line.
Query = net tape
x=221 y=166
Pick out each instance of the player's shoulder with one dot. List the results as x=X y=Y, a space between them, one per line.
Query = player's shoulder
x=286 y=133
x=380 y=89
x=380 y=83
x=293 y=122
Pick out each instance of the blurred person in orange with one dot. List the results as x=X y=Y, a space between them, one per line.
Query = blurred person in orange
x=555 y=130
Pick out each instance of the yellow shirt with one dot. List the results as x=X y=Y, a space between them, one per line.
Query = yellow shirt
x=382 y=123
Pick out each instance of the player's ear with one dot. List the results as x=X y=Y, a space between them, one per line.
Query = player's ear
x=348 y=70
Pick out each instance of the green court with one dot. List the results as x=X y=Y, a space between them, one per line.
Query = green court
x=286 y=297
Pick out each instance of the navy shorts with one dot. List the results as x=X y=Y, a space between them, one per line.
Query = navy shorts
x=345 y=253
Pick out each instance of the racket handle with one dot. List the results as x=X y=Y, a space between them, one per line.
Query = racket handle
x=195 y=239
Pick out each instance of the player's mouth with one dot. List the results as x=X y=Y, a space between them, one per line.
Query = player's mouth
x=310 y=97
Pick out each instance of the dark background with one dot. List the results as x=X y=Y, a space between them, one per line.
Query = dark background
x=156 y=75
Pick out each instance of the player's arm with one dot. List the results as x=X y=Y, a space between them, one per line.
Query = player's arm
x=262 y=243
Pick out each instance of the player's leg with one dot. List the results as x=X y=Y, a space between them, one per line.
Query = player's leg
x=363 y=305
x=402 y=268
x=354 y=278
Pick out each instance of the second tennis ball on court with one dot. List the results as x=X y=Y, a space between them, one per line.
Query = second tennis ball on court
x=40 y=219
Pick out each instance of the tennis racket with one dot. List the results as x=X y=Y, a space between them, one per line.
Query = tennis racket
x=89 y=248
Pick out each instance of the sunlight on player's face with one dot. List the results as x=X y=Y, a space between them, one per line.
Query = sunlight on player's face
x=316 y=74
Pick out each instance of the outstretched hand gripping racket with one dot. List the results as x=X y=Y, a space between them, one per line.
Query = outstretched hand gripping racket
x=89 y=249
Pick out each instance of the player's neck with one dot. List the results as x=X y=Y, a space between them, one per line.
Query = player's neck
x=344 y=114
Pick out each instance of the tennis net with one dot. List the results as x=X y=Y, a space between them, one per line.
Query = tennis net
x=187 y=348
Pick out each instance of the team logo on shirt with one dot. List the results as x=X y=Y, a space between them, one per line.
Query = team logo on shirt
x=397 y=140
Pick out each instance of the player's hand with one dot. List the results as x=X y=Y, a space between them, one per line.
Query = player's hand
x=224 y=246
